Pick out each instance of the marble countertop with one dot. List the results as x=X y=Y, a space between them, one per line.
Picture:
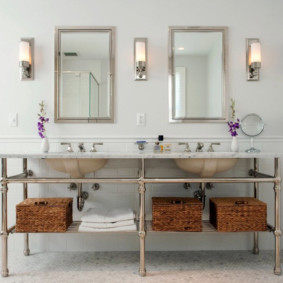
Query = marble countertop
x=141 y=155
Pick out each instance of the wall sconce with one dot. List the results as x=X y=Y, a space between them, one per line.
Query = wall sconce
x=140 y=57
x=26 y=58
x=253 y=60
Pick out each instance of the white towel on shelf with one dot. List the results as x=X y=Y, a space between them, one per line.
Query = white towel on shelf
x=108 y=215
x=122 y=228
x=108 y=225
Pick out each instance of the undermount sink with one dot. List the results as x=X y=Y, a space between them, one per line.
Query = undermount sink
x=76 y=167
x=206 y=167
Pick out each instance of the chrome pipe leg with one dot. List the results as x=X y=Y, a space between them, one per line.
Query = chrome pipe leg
x=80 y=199
x=277 y=231
x=142 y=233
x=256 y=187
x=4 y=220
x=26 y=244
x=203 y=197
x=25 y=196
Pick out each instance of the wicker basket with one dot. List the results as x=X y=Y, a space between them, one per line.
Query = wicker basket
x=176 y=214
x=44 y=215
x=238 y=214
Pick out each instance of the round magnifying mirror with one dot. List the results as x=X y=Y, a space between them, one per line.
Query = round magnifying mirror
x=252 y=125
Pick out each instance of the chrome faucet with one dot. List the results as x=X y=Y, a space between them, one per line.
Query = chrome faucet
x=81 y=147
x=69 y=148
x=211 y=149
x=93 y=149
x=199 y=147
x=187 y=149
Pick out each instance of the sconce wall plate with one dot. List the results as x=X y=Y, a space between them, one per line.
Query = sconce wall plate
x=140 y=59
x=252 y=68
x=27 y=67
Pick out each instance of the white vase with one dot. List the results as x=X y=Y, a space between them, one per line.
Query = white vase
x=234 y=144
x=44 y=146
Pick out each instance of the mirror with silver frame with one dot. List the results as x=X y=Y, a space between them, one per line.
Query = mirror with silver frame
x=197 y=74
x=84 y=71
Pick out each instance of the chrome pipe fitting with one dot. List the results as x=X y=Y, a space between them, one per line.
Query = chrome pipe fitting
x=187 y=186
x=95 y=186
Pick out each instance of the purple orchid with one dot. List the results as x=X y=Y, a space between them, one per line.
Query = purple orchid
x=42 y=121
x=233 y=126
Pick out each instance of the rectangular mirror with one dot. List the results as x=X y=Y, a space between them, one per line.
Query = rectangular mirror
x=84 y=71
x=197 y=74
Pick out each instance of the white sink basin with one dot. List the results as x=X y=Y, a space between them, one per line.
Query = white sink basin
x=206 y=167
x=76 y=167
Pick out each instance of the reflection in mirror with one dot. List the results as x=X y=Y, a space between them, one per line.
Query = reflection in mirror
x=252 y=125
x=197 y=74
x=84 y=64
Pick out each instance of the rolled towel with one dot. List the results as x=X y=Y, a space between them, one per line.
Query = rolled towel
x=108 y=215
x=122 y=228
x=108 y=225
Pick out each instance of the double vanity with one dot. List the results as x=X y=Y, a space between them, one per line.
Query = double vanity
x=202 y=165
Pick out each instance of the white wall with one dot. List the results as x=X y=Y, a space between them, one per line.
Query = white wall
x=132 y=19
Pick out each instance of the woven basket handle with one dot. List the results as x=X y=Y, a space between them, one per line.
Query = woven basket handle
x=41 y=202
x=239 y=202
x=177 y=201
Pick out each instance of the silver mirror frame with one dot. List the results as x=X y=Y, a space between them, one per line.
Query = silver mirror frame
x=224 y=31
x=57 y=118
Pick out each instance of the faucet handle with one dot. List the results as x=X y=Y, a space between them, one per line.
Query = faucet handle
x=69 y=148
x=187 y=149
x=93 y=149
x=211 y=149
x=200 y=145
x=81 y=147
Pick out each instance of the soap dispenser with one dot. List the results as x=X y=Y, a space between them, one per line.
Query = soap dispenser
x=160 y=139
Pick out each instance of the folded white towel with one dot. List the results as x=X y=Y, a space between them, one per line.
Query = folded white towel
x=122 y=228
x=108 y=225
x=108 y=215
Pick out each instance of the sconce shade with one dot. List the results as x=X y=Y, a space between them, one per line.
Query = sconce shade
x=140 y=59
x=255 y=52
x=24 y=52
x=140 y=51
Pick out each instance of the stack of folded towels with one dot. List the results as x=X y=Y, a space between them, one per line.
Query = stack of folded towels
x=103 y=220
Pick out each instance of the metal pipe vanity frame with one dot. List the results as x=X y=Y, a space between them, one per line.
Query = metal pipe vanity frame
x=143 y=226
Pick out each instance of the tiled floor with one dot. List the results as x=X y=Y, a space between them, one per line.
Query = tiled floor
x=162 y=267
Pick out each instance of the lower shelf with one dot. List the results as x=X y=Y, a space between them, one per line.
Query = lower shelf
x=206 y=228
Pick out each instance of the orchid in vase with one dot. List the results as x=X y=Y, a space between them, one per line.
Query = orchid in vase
x=234 y=125
x=42 y=120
